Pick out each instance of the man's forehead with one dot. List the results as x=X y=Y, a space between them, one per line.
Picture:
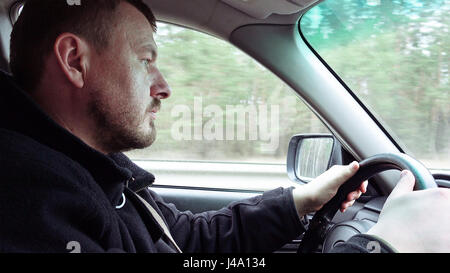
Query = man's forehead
x=146 y=43
x=137 y=26
x=145 y=39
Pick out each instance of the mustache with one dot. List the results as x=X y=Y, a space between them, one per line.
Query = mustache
x=156 y=104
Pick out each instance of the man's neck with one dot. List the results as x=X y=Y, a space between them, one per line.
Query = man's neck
x=67 y=119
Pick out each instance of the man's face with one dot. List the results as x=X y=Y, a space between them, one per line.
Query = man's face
x=125 y=87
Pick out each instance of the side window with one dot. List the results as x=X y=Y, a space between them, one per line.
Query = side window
x=225 y=108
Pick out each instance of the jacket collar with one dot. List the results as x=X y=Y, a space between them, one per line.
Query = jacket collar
x=19 y=112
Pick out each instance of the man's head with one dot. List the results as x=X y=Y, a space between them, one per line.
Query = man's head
x=92 y=68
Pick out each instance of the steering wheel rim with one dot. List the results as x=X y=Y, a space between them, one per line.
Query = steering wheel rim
x=369 y=167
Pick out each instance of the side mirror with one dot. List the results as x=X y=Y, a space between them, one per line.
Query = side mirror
x=309 y=155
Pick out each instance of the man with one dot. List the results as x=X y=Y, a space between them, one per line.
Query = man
x=85 y=89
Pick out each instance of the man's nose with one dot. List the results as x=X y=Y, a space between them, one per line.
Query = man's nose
x=160 y=89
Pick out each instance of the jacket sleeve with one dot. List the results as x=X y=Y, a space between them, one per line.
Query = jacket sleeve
x=41 y=211
x=260 y=224
x=363 y=243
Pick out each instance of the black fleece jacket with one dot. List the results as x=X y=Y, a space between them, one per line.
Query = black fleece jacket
x=56 y=191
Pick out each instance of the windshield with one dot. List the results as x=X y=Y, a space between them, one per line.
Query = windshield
x=394 y=56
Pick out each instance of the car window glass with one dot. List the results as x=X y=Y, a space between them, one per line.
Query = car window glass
x=224 y=106
x=395 y=56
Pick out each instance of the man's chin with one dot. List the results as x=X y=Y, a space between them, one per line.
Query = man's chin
x=133 y=142
x=145 y=144
x=144 y=141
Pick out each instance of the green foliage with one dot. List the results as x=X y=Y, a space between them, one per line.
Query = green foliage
x=394 y=55
x=395 y=58
x=199 y=66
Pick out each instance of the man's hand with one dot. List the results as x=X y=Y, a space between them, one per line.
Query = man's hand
x=415 y=221
x=312 y=196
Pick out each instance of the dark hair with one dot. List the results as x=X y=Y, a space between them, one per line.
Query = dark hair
x=42 y=21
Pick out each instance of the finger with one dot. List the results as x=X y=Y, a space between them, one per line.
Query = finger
x=354 y=195
x=349 y=204
x=404 y=185
x=363 y=187
x=339 y=174
x=346 y=205
x=352 y=168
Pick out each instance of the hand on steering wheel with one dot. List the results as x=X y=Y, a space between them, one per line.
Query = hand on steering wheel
x=312 y=196
x=415 y=221
x=321 y=221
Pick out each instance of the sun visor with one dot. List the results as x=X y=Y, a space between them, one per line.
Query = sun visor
x=261 y=9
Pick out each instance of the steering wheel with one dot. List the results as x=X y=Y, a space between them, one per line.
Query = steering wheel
x=321 y=222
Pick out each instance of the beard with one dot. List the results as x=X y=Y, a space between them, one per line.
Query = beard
x=121 y=128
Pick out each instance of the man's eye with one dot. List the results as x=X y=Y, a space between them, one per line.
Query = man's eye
x=146 y=62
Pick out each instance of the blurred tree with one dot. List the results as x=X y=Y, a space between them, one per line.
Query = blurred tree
x=392 y=54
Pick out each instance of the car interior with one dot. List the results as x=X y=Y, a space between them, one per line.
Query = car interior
x=268 y=32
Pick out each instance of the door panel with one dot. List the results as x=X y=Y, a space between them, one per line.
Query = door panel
x=198 y=200
x=203 y=199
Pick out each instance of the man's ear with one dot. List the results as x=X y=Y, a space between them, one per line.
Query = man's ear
x=71 y=53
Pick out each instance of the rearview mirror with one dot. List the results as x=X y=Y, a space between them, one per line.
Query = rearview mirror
x=311 y=155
